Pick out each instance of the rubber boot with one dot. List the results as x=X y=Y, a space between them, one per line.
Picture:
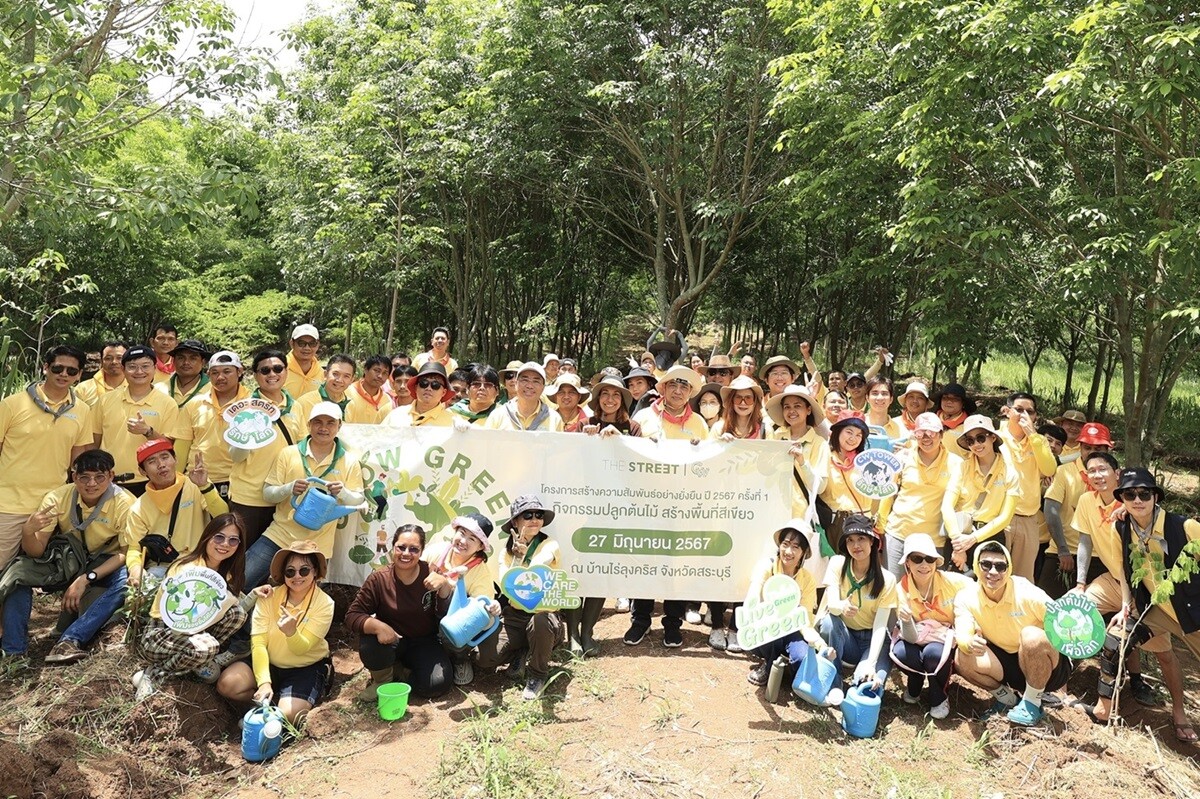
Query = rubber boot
x=592 y=608
x=378 y=678
x=572 y=618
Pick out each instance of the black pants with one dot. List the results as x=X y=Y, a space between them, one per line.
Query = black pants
x=673 y=610
x=428 y=663
x=257 y=519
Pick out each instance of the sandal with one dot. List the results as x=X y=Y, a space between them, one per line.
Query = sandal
x=1185 y=734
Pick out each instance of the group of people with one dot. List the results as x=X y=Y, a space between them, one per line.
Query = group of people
x=950 y=574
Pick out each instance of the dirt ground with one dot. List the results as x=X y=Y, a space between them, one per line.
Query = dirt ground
x=643 y=721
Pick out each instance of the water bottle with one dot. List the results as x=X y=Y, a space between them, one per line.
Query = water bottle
x=776 y=677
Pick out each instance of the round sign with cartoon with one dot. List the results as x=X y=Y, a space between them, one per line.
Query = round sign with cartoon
x=251 y=423
x=875 y=473
x=1074 y=626
x=193 y=600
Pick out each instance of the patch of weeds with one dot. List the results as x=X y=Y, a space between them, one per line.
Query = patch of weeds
x=980 y=752
x=489 y=756
x=592 y=680
x=668 y=713
x=910 y=785
x=918 y=747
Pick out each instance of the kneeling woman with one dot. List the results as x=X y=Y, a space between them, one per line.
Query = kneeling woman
x=396 y=619
x=288 y=650
x=794 y=549
x=924 y=648
x=534 y=633
x=222 y=548
x=860 y=596
x=462 y=556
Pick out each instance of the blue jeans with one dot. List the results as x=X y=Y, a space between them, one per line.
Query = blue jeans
x=793 y=644
x=853 y=646
x=258 y=561
x=81 y=631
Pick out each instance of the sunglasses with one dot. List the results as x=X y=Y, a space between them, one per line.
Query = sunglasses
x=916 y=559
x=59 y=368
x=1142 y=494
x=482 y=385
x=292 y=571
x=971 y=441
x=277 y=369
x=429 y=382
x=226 y=540
x=408 y=548
x=533 y=514
x=307 y=344
x=997 y=566
x=720 y=372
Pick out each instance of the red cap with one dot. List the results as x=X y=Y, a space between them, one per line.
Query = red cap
x=152 y=447
x=1095 y=434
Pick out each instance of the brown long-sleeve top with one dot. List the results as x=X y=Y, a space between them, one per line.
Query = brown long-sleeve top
x=395 y=604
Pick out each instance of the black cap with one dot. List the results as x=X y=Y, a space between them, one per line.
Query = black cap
x=138 y=351
x=191 y=345
x=484 y=522
x=1137 y=477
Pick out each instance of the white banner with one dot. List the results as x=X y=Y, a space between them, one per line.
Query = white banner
x=635 y=518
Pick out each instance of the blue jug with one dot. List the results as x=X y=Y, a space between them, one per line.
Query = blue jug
x=316 y=508
x=860 y=710
x=467 y=622
x=814 y=678
x=262 y=733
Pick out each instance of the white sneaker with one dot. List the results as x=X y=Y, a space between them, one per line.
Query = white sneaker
x=940 y=711
x=463 y=673
x=208 y=673
x=145 y=686
x=910 y=700
x=622 y=605
x=691 y=616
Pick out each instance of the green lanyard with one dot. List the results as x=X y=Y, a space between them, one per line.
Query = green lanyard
x=856 y=587
x=325 y=396
x=338 y=452
x=201 y=383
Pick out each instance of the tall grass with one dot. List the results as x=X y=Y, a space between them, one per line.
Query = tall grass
x=12 y=377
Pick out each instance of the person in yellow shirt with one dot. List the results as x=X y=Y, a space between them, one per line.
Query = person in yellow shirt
x=1031 y=456
x=304 y=371
x=339 y=374
x=983 y=490
x=879 y=419
x=163 y=340
x=719 y=369
x=126 y=418
x=1002 y=644
x=290 y=664
x=670 y=416
x=438 y=352
x=860 y=596
x=916 y=507
x=205 y=417
x=174 y=507
x=799 y=420
x=251 y=466
x=42 y=430
x=320 y=455
x=1158 y=538
x=95 y=512
x=369 y=403
x=188 y=379
x=110 y=376
x=953 y=406
x=840 y=498
x=741 y=411
x=924 y=648
x=430 y=389
x=778 y=373
x=1072 y=422
x=567 y=397
x=527 y=410
x=793 y=547
x=1069 y=484
x=483 y=392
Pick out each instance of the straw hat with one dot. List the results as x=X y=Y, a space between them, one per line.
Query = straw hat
x=717 y=361
x=567 y=379
x=777 y=360
x=775 y=405
x=609 y=382
x=741 y=383
x=973 y=423
x=680 y=373
x=304 y=547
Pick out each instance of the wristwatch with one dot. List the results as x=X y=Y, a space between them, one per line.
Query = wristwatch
x=92 y=577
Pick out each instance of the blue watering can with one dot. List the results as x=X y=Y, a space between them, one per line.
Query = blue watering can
x=815 y=678
x=860 y=710
x=316 y=508
x=467 y=622
x=262 y=732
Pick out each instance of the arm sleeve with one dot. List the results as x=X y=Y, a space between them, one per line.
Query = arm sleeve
x=183 y=449
x=964 y=625
x=885 y=508
x=1083 y=559
x=1053 y=512
x=260 y=662
x=313 y=629
x=998 y=524
x=1043 y=456
x=277 y=494
x=215 y=504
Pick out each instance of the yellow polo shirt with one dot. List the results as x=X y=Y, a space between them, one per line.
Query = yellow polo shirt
x=1033 y=460
x=1068 y=486
x=36 y=447
x=117 y=407
x=812 y=463
x=767 y=568
x=867 y=605
x=361 y=410
x=940 y=604
x=94 y=388
x=917 y=506
x=839 y=492
x=208 y=427
x=499 y=419
x=300 y=382
x=1022 y=605
x=247 y=476
x=446 y=361
x=270 y=647
x=1092 y=518
x=478 y=577
x=151 y=514
x=184 y=398
x=407 y=416
x=654 y=426
x=967 y=482
x=107 y=534
x=290 y=465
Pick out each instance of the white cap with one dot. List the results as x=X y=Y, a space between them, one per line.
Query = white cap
x=326 y=408
x=532 y=366
x=550 y=356
x=225 y=358
x=306 y=330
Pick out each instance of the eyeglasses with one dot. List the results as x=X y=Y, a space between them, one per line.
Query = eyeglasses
x=529 y=380
x=429 y=382
x=59 y=368
x=277 y=369
x=408 y=548
x=292 y=571
x=307 y=344
x=138 y=366
x=971 y=441
x=91 y=479
x=918 y=559
x=1141 y=494
x=533 y=514
x=227 y=540
x=997 y=566
x=482 y=385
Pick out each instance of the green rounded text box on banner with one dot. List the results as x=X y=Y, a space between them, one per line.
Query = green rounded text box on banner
x=691 y=543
